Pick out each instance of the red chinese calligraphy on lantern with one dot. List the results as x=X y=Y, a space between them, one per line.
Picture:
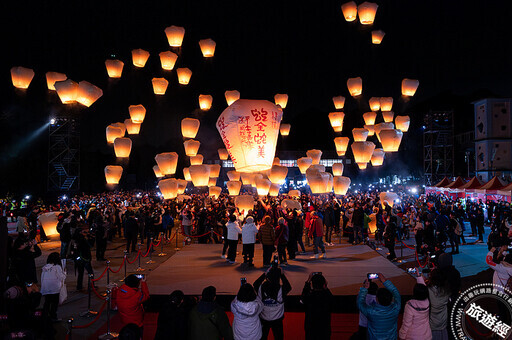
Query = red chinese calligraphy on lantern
x=249 y=130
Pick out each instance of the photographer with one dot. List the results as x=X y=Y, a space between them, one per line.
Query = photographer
x=317 y=300
x=81 y=244
x=25 y=253
x=272 y=294
x=129 y=299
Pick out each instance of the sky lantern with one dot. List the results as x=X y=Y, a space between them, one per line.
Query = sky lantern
x=318 y=181
x=214 y=170
x=214 y=191
x=281 y=100
x=244 y=203
x=388 y=116
x=157 y=171
x=355 y=86
x=207 y=47
x=189 y=127
x=316 y=167
x=367 y=11
x=49 y=222
x=274 y=190
x=337 y=169
x=52 y=77
x=386 y=103
x=137 y=113
x=294 y=193
x=122 y=147
x=231 y=96
x=315 y=155
x=247 y=178
x=369 y=118
x=113 y=132
x=67 y=91
x=389 y=197
x=276 y=161
x=390 y=139
x=184 y=75
x=371 y=129
x=263 y=186
x=139 y=57
x=114 y=68
x=341 y=144
x=159 y=85
x=169 y=188
x=383 y=126
x=196 y=160
x=121 y=126
x=285 y=129
x=87 y=93
x=336 y=118
x=374 y=103
x=223 y=154
x=234 y=187
x=278 y=174
x=362 y=152
x=409 y=87
x=205 y=102
x=168 y=60
x=402 y=123
x=182 y=186
x=249 y=130
x=349 y=10
x=328 y=187
x=175 y=35
x=212 y=181
x=113 y=174
x=233 y=175
x=200 y=175
x=21 y=77
x=341 y=185
x=377 y=37
x=360 y=135
x=304 y=163
x=167 y=162
x=378 y=157
x=191 y=147
x=186 y=174
x=339 y=102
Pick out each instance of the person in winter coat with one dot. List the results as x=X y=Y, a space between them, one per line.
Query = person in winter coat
x=246 y=309
x=502 y=269
x=24 y=255
x=53 y=278
x=371 y=299
x=173 y=317
x=81 y=253
x=131 y=229
x=249 y=232
x=415 y=322
x=439 y=296
x=129 y=299
x=316 y=231
x=208 y=320
x=233 y=231
x=317 y=299
x=282 y=233
x=390 y=237
x=382 y=316
x=267 y=237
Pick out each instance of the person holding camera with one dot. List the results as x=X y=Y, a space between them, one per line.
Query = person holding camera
x=317 y=300
x=246 y=309
x=81 y=244
x=129 y=299
x=272 y=294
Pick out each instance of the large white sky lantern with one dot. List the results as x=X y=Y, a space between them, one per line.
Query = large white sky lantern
x=167 y=162
x=355 y=86
x=200 y=175
x=339 y=102
x=367 y=12
x=341 y=144
x=168 y=188
x=175 y=35
x=189 y=127
x=402 y=123
x=249 y=130
x=281 y=100
x=349 y=10
x=231 y=96
x=336 y=119
x=244 y=203
x=409 y=87
x=362 y=153
x=341 y=185
x=390 y=140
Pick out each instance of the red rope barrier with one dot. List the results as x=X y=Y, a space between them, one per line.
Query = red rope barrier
x=96 y=292
x=135 y=259
x=418 y=260
x=93 y=280
x=156 y=245
x=147 y=253
x=169 y=240
x=412 y=248
x=196 y=235
x=94 y=320
x=121 y=266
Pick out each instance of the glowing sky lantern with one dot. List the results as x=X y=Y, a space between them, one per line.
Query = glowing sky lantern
x=244 y=203
x=315 y=155
x=214 y=170
x=341 y=185
x=49 y=222
x=316 y=167
x=167 y=162
x=294 y=193
x=137 y=113
x=205 y=102
x=120 y=125
x=362 y=153
x=223 y=154
x=200 y=175
x=233 y=175
x=207 y=47
x=191 y=147
x=355 y=86
x=389 y=197
x=168 y=60
x=278 y=174
x=318 y=181
x=184 y=75
x=186 y=174
x=66 y=90
x=157 y=171
x=212 y=181
x=337 y=169
x=388 y=116
x=386 y=103
x=113 y=174
x=247 y=178
x=390 y=140
x=113 y=132
x=360 y=135
x=383 y=126
x=175 y=35
x=369 y=118
x=285 y=129
x=377 y=37
x=122 y=147
x=114 y=68
x=304 y=163
x=21 y=77
x=189 y=127
x=371 y=129
x=249 y=130
x=281 y=100
x=409 y=87
x=87 y=93
x=196 y=160
x=276 y=161
x=169 y=188
x=52 y=77
x=274 y=190
x=139 y=57
x=339 y=102
x=231 y=96
x=263 y=186
x=159 y=85
x=378 y=157
x=402 y=123
x=349 y=10
x=214 y=192
x=367 y=12
x=328 y=186
x=234 y=187
x=374 y=103
x=182 y=186
x=341 y=144
x=336 y=119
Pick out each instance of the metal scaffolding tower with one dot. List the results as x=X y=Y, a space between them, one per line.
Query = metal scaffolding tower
x=438 y=148
x=64 y=155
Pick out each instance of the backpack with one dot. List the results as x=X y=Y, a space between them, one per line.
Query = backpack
x=458 y=228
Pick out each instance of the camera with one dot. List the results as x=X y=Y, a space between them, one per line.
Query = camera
x=140 y=276
x=372 y=276
x=316 y=273
x=243 y=281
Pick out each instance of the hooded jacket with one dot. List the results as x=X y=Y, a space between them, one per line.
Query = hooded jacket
x=52 y=279
x=439 y=299
x=415 y=323
x=246 y=321
x=129 y=303
x=233 y=230
x=249 y=231
x=317 y=227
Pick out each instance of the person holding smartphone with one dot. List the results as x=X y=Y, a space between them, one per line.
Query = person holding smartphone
x=129 y=299
x=317 y=300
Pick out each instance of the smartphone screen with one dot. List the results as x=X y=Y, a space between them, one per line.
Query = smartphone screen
x=372 y=276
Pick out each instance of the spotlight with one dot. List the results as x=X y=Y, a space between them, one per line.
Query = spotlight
x=27 y=197
x=52 y=121
x=64 y=197
x=414 y=190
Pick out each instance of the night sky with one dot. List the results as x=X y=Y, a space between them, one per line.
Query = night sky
x=459 y=51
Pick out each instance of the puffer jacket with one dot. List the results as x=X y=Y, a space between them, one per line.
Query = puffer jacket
x=317 y=227
x=52 y=279
x=415 y=323
x=246 y=321
x=249 y=231
x=439 y=299
x=267 y=234
x=129 y=303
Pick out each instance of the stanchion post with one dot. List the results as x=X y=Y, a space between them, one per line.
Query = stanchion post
x=89 y=312
x=70 y=329
x=150 y=261
x=108 y=335
x=162 y=246
x=176 y=236
x=139 y=268
x=108 y=272
x=125 y=264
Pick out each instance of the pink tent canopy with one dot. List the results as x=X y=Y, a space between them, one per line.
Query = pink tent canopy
x=491 y=187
